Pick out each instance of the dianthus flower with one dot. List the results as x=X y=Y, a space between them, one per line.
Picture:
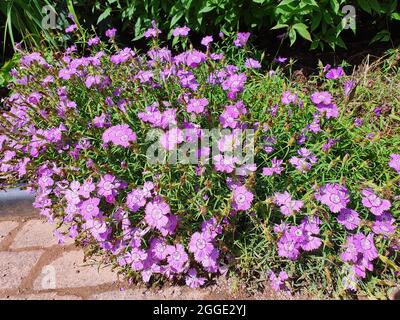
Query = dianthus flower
x=375 y=204
x=119 y=135
x=334 y=195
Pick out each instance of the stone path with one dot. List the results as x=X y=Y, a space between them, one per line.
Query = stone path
x=34 y=266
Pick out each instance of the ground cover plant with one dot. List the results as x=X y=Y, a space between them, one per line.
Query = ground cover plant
x=183 y=164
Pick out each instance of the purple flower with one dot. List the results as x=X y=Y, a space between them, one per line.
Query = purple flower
x=87 y=188
x=157 y=214
x=229 y=118
x=120 y=135
x=287 y=206
x=280 y=59
x=335 y=73
x=71 y=28
x=375 y=204
x=122 y=56
x=181 y=31
x=136 y=200
x=323 y=97
x=209 y=262
x=93 y=41
x=315 y=126
x=144 y=76
x=329 y=144
x=196 y=105
x=334 y=195
x=170 y=228
x=89 y=208
x=288 y=98
x=200 y=246
x=92 y=80
x=225 y=163
x=305 y=162
x=110 y=33
x=241 y=39
x=348 y=85
x=394 y=162
x=378 y=110
x=323 y=103
x=234 y=83
x=358 y=122
x=158 y=249
x=349 y=218
x=360 y=250
x=278 y=282
x=195 y=58
x=242 y=198
x=206 y=41
x=106 y=185
x=170 y=139
x=192 y=280
x=288 y=247
x=152 y=32
x=384 y=224
x=211 y=228
x=177 y=257
x=252 y=63
x=101 y=121
x=329 y=110
x=276 y=168
x=136 y=258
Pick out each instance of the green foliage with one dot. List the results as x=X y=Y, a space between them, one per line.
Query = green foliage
x=320 y=22
x=5 y=76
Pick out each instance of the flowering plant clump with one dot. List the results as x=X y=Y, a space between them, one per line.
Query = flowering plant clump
x=186 y=165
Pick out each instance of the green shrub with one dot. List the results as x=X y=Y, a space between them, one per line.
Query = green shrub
x=310 y=201
x=320 y=22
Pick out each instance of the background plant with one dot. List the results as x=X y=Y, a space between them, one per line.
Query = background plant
x=318 y=22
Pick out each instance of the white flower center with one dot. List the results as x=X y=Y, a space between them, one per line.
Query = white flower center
x=375 y=201
x=240 y=198
x=176 y=255
x=335 y=198
x=366 y=244
x=200 y=244
x=107 y=185
x=157 y=213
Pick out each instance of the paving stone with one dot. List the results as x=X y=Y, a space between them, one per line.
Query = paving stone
x=6 y=227
x=36 y=233
x=144 y=294
x=15 y=266
x=42 y=296
x=69 y=271
x=131 y=294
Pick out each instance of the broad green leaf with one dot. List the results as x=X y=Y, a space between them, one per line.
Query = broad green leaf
x=316 y=21
x=104 y=15
x=364 y=4
x=292 y=36
x=206 y=9
x=395 y=16
x=335 y=6
x=279 y=26
x=301 y=28
x=176 y=18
